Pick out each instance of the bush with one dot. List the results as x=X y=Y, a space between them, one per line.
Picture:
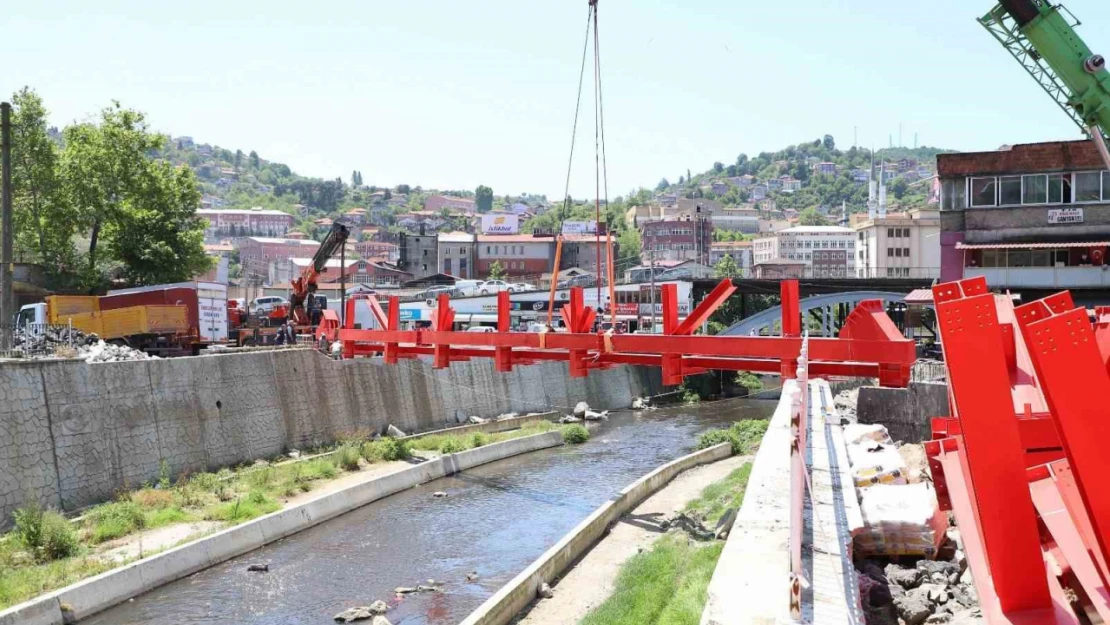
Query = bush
x=451 y=446
x=690 y=396
x=743 y=435
x=347 y=456
x=112 y=520
x=45 y=533
x=478 y=439
x=714 y=437
x=575 y=434
x=385 y=450
x=205 y=481
x=150 y=498
x=253 y=505
x=749 y=381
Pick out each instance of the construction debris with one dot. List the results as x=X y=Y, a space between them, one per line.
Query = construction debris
x=66 y=342
x=580 y=409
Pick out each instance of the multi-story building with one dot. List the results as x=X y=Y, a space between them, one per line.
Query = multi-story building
x=827 y=251
x=903 y=245
x=790 y=184
x=739 y=251
x=371 y=272
x=256 y=254
x=581 y=251
x=680 y=239
x=759 y=192
x=457 y=254
x=242 y=223
x=736 y=218
x=378 y=250
x=417 y=253
x=437 y=203
x=519 y=254
x=283 y=270
x=1029 y=216
x=825 y=168
x=774 y=184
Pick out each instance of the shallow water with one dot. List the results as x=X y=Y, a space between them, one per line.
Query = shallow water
x=497 y=519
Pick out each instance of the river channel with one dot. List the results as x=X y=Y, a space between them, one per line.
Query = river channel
x=496 y=520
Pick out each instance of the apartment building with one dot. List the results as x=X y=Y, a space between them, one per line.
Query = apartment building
x=905 y=245
x=256 y=253
x=519 y=254
x=252 y=222
x=685 y=239
x=456 y=254
x=826 y=251
x=739 y=251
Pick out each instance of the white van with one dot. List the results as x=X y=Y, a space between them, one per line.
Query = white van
x=467 y=288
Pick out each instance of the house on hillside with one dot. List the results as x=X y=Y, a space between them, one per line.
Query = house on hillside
x=790 y=184
x=759 y=192
x=720 y=188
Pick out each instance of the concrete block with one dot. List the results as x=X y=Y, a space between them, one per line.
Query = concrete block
x=39 y=611
x=173 y=564
x=95 y=594
x=233 y=541
x=283 y=523
x=904 y=411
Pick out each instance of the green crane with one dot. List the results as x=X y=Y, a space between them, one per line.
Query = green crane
x=1042 y=37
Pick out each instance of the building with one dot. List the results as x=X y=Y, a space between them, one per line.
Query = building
x=720 y=188
x=1027 y=216
x=437 y=203
x=375 y=273
x=284 y=270
x=779 y=269
x=860 y=175
x=240 y=223
x=825 y=168
x=581 y=251
x=739 y=251
x=378 y=250
x=679 y=239
x=256 y=254
x=740 y=219
x=759 y=192
x=790 y=184
x=696 y=207
x=357 y=216
x=413 y=221
x=518 y=254
x=417 y=253
x=827 y=251
x=456 y=254
x=899 y=245
x=774 y=184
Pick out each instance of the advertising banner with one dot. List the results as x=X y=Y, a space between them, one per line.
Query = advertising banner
x=579 y=227
x=500 y=224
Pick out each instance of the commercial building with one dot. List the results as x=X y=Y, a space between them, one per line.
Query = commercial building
x=378 y=250
x=685 y=239
x=256 y=254
x=242 y=223
x=904 y=245
x=417 y=253
x=456 y=254
x=826 y=251
x=581 y=251
x=518 y=254
x=1026 y=216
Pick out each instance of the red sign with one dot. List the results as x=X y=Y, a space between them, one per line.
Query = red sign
x=628 y=309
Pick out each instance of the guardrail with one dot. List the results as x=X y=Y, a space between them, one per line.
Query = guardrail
x=799 y=428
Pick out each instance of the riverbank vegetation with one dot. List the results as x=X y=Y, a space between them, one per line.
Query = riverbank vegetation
x=667 y=585
x=744 y=436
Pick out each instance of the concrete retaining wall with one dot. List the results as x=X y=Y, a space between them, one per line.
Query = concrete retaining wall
x=518 y=593
x=73 y=434
x=904 y=411
x=490 y=427
x=95 y=594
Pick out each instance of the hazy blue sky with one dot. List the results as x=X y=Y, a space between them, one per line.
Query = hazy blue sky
x=452 y=94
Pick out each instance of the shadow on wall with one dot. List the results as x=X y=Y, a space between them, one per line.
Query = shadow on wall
x=72 y=434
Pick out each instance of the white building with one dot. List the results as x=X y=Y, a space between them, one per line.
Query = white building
x=456 y=254
x=740 y=251
x=740 y=219
x=899 y=246
x=254 y=222
x=827 y=251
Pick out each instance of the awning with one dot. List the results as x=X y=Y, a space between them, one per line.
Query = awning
x=1030 y=246
x=919 y=296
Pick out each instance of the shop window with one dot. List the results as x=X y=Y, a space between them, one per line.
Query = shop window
x=984 y=191
x=1019 y=258
x=953 y=194
x=1041 y=258
x=1059 y=189
x=993 y=258
x=1088 y=187
x=1009 y=190
x=1034 y=189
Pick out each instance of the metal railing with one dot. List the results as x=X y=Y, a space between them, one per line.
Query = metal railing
x=799 y=431
x=41 y=340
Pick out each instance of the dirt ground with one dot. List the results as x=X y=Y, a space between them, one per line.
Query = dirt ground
x=591 y=580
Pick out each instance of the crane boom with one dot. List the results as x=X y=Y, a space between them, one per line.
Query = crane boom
x=1043 y=40
x=305 y=285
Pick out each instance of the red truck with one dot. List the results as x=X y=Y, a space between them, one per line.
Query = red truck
x=205 y=304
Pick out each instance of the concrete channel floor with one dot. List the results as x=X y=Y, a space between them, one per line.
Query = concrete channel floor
x=590 y=582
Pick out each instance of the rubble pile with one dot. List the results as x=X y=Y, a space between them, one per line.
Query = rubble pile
x=107 y=352
x=845 y=402
x=66 y=342
x=919 y=593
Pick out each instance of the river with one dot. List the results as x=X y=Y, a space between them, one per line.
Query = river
x=496 y=520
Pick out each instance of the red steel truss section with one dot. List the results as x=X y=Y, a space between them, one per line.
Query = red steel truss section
x=870 y=345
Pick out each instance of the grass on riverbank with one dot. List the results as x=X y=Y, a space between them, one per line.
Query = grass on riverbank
x=667 y=585
x=231 y=497
x=745 y=436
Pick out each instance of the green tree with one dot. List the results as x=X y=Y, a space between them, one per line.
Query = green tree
x=404 y=188
x=899 y=187
x=718 y=167
x=102 y=166
x=483 y=198
x=496 y=271
x=726 y=268
x=810 y=217
x=157 y=235
x=256 y=163
x=662 y=186
x=238 y=158
x=828 y=143
x=629 y=247
x=42 y=218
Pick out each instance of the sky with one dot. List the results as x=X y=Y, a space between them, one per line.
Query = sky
x=452 y=94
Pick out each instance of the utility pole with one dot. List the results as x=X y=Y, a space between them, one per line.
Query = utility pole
x=651 y=255
x=343 y=285
x=7 y=315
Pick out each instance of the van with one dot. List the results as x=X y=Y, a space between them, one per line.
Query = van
x=467 y=288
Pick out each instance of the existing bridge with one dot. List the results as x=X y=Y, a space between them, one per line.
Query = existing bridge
x=832 y=309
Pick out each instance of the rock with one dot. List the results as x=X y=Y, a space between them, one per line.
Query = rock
x=477 y=420
x=580 y=409
x=569 y=419
x=472 y=576
x=380 y=620
x=439 y=494
x=508 y=415
x=961 y=596
x=724 y=524
x=430 y=582
x=939 y=572
x=906 y=578
x=597 y=416
x=938 y=618
x=423 y=588
x=973 y=616
x=354 y=614
x=880 y=595
x=404 y=590
x=913 y=608
x=394 y=431
x=379 y=607
x=545 y=590
x=937 y=594
x=259 y=568
x=875 y=572
x=638 y=404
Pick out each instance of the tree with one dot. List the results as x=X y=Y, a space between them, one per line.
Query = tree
x=629 y=247
x=483 y=198
x=662 y=186
x=828 y=143
x=43 y=220
x=404 y=189
x=681 y=181
x=238 y=158
x=810 y=217
x=718 y=167
x=496 y=271
x=256 y=163
x=899 y=187
x=689 y=178
x=726 y=268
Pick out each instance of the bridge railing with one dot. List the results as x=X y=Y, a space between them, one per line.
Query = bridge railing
x=799 y=429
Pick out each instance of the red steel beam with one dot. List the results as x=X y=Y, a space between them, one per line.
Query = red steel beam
x=707 y=307
x=791 y=308
x=991 y=450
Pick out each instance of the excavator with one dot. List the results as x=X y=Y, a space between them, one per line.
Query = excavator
x=1042 y=37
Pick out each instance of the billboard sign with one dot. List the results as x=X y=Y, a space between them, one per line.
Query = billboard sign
x=500 y=224
x=1065 y=215
x=579 y=227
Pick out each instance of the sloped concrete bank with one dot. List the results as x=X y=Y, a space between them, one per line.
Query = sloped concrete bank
x=72 y=434
x=507 y=602
x=98 y=593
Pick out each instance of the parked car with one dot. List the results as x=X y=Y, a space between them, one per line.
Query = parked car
x=484 y=329
x=582 y=281
x=433 y=292
x=522 y=287
x=680 y=273
x=261 y=306
x=467 y=288
x=493 y=286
